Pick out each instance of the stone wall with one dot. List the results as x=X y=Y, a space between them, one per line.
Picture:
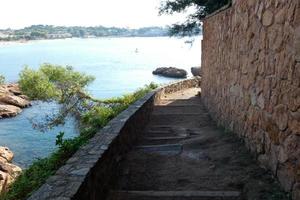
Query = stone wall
x=92 y=171
x=251 y=80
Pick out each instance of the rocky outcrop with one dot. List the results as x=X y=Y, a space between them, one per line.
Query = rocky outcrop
x=196 y=71
x=12 y=100
x=8 y=171
x=171 y=72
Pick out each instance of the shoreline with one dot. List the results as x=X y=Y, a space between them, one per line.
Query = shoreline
x=38 y=40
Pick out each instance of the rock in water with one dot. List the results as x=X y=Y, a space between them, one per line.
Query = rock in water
x=196 y=71
x=12 y=100
x=9 y=111
x=170 y=72
x=8 y=171
x=6 y=154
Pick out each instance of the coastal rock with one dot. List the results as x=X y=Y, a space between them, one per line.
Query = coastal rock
x=6 y=154
x=170 y=72
x=15 y=100
x=24 y=97
x=196 y=71
x=9 y=111
x=14 y=88
x=8 y=171
x=12 y=100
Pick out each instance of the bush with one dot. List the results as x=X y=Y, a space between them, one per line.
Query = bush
x=2 y=79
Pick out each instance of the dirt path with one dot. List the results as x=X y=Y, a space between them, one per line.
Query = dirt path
x=183 y=155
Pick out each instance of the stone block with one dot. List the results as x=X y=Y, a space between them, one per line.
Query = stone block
x=286 y=176
x=267 y=18
x=297 y=43
x=281 y=116
x=294 y=121
x=296 y=191
x=280 y=16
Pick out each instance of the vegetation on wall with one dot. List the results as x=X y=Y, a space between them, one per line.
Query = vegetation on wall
x=193 y=22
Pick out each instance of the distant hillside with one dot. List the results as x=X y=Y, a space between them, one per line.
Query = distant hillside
x=36 y=32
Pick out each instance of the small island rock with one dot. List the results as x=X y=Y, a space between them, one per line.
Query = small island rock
x=170 y=72
x=196 y=71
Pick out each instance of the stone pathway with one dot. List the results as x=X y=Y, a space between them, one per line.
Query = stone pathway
x=183 y=155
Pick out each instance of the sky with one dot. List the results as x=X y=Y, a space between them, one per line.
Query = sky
x=120 y=13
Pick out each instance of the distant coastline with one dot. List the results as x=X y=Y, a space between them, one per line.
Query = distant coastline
x=6 y=43
x=47 y=32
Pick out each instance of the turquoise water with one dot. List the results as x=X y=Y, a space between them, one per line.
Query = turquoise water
x=120 y=65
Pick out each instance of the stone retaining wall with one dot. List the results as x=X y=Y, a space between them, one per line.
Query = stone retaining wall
x=251 y=80
x=93 y=169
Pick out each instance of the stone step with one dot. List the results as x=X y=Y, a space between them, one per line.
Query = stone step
x=178 y=110
x=175 y=195
x=161 y=134
x=160 y=148
x=191 y=120
x=166 y=137
x=161 y=140
x=180 y=102
x=174 y=131
x=192 y=113
x=184 y=103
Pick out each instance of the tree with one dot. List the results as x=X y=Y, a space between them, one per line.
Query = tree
x=37 y=34
x=193 y=22
x=56 y=83
x=2 y=79
x=68 y=87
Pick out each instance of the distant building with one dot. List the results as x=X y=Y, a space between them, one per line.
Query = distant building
x=58 y=36
x=4 y=35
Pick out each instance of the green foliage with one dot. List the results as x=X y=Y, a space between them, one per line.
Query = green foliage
x=36 y=85
x=193 y=22
x=37 y=34
x=52 y=82
x=98 y=116
x=56 y=83
x=2 y=79
x=94 y=119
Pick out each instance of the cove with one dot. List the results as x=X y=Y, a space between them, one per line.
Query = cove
x=115 y=63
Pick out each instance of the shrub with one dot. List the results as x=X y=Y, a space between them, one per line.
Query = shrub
x=2 y=79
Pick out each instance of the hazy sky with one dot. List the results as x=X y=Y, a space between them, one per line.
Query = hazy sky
x=121 y=13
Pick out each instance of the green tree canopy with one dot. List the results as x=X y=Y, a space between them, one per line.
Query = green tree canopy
x=193 y=22
x=66 y=86
x=56 y=83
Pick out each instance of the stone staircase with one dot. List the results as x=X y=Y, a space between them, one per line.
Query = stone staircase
x=176 y=195
x=182 y=155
